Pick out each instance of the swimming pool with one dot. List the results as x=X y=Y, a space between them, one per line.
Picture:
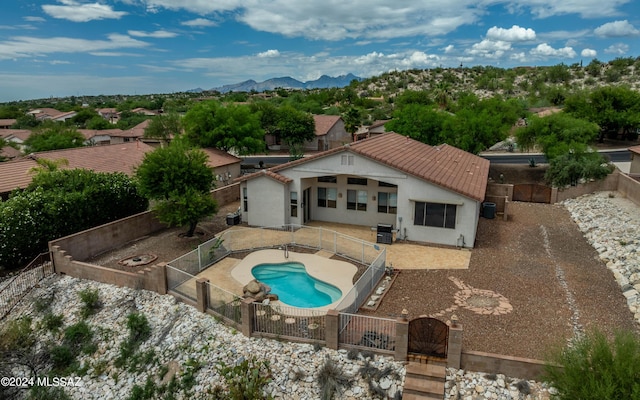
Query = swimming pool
x=294 y=286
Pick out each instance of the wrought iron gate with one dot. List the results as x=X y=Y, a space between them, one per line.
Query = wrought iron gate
x=428 y=336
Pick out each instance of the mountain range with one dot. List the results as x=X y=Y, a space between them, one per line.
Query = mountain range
x=286 y=82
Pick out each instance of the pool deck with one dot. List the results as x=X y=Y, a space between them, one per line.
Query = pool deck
x=231 y=274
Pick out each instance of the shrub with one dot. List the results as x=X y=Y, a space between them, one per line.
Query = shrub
x=52 y=322
x=17 y=334
x=595 y=368
x=331 y=379
x=90 y=302
x=79 y=338
x=62 y=356
x=139 y=328
x=245 y=380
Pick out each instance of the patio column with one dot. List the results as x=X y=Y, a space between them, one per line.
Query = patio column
x=202 y=301
x=332 y=329
x=402 y=339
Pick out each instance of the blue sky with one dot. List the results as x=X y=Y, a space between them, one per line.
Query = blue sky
x=76 y=47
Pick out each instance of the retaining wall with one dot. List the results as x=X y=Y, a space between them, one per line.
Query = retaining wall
x=525 y=368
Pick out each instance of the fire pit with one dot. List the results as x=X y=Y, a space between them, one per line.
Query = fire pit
x=137 y=260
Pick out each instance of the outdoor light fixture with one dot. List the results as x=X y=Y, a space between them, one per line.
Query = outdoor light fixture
x=454 y=320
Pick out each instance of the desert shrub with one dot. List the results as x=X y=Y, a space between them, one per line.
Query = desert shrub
x=139 y=331
x=90 y=302
x=47 y=393
x=245 y=380
x=595 y=368
x=331 y=379
x=62 y=357
x=17 y=334
x=52 y=322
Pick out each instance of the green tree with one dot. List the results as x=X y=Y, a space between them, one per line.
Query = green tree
x=180 y=181
x=419 y=122
x=294 y=127
x=163 y=127
x=98 y=123
x=53 y=136
x=593 y=368
x=230 y=128
x=83 y=116
x=570 y=168
x=557 y=134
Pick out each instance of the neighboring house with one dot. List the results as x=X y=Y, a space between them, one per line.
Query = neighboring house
x=143 y=111
x=375 y=129
x=99 y=137
x=17 y=136
x=226 y=167
x=64 y=116
x=635 y=160
x=42 y=114
x=9 y=153
x=429 y=194
x=6 y=123
x=330 y=133
x=123 y=157
x=110 y=114
x=130 y=135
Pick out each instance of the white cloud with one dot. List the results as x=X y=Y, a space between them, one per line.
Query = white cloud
x=544 y=50
x=199 y=22
x=161 y=34
x=78 y=12
x=519 y=57
x=448 y=49
x=201 y=7
x=24 y=46
x=590 y=53
x=584 y=8
x=513 y=34
x=619 y=49
x=59 y=62
x=113 y=54
x=490 y=48
x=269 y=53
x=617 y=29
x=34 y=19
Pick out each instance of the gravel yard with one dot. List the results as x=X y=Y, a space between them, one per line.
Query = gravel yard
x=541 y=263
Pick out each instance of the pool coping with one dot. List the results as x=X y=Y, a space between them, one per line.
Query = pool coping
x=336 y=272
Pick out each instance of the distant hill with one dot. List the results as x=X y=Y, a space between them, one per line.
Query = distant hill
x=287 y=82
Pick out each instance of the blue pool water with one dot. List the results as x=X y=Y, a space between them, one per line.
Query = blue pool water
x=294 y=286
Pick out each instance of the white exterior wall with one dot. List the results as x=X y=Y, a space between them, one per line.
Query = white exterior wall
x=266 y=202
x=409 y=189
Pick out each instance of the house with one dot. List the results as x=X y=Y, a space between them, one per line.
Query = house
x=226 y=167
x=130 y=135
x=62 y=117
x=123 y=157
x=42 y=114
x=376 y=128
x=99 y=137
x=144 y=111
x=635 y=160
x=9 y=153
x=17 y=136
x=429 y=194
x=6 y=123
x=110 y=114
x=330 y=133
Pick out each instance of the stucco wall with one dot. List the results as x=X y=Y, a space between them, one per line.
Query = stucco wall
x=410 y=189
x=607 y=184
x=266 y=202
x=630 y=188
x=524 y=368
x=634 y=168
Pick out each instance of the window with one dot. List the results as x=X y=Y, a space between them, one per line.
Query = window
x=346 y=159
x=357 y=181
x=328 y=179
x=435 y=214
x=327 y=197
x=387 y=203
x=245 y=200
x=357 y=200
x=294 y=204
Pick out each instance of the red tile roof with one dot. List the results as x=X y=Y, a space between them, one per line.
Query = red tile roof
x=135 y=132
x=219 y=158
x=7 y=122
x=635 y=149
x=9 y=152
x=90 y=133
x=444 y=165
x=21 y=134
x=110 y=158
x=16 y=174
x=324 y=123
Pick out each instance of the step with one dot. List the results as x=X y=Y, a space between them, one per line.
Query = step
x=424 y=385
x=422 y=396
x=434 y=370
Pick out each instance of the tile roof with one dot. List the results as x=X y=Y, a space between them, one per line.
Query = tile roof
x=16 y=174
x=135 y=132
x=444 y=165
x=324 y=123
x=110 y=158
x=219 y=158
x=21 y=134
x=7 y=122
x=90 y=133
x=635 y=149
x=9 y=152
